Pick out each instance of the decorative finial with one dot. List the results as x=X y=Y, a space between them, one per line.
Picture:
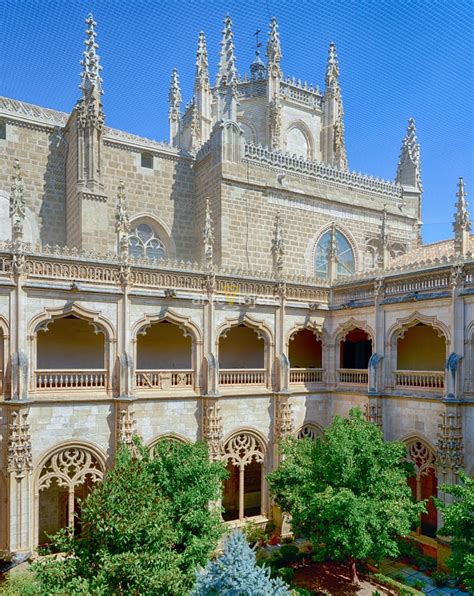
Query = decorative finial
x=278 y=246
x=202 y=66
x=122 y=224
x=332 y=68
x=174 y=94
x=273 y=45
x=17 y=203
x=409 y=163
x=208 y=237
x=462 y=221
x=227 y=73
x=90 y=76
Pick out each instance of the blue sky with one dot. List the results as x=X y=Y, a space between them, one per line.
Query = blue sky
x=398 y=59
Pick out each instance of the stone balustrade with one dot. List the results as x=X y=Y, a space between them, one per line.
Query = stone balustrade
x=306 y=375
x=353 y=376
x=164 y=379
x=248 y=376
x=55 y=380
x=426 y=380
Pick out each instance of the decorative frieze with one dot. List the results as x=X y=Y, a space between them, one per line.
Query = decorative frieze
x=19 y=444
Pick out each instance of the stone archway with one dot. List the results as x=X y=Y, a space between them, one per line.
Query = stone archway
x=424 y=484
x=65 y=475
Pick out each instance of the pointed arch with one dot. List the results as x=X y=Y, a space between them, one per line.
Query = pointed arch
x=101 y=324
x=184 y=322
x=159 y=227
x=401 y=325
x=310 y=253
x=309 y=430
x=351 y=324
x=300 y=126
x=261 y=328
x=171 y=436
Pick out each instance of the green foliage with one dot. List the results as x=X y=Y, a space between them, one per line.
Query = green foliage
x=145 y=528
x=397 y=584
x=300 y=592
x=347 y=492
x=21 y=583
x=440 y=579
x=287 y=574
x=418 y=584
x=459 y=524
x=289 y=553
x=254 y=533
x=235 y=573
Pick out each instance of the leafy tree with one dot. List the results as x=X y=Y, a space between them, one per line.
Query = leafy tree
x=236 y=573
x=146 y=528
x=459 y=523
x=347 y=492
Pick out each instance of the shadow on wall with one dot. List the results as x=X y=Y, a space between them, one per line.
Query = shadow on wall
x=183 y=229
x=52 y=212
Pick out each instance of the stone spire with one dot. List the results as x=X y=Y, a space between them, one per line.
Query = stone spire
x=332 y=68
x=122 y=221
x=208 y=238
x=408 y=170
x=17 y=203
x=202 y=95
x=226 y=79
x=333 y=141
x=202 y=65
x=91 y=81
x=278 y=246
x=274 y=47
x=462 y=222
x=174 y=100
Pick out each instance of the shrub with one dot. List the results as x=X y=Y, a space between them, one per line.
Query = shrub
x=289 y=552
x=254 y=533
x=427 y=563
x=20 y=583
x=418 y=584
x=440 y=579
x=287 y=574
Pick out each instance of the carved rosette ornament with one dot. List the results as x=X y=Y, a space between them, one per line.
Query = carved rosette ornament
x=19 y=445
x=449 y=449
x=284 y=418
x=212 y=427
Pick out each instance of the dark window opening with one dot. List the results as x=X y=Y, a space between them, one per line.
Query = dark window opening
x=147 y=160
x=356 y=349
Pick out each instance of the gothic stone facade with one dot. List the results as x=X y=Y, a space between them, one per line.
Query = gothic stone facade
x=238 y=285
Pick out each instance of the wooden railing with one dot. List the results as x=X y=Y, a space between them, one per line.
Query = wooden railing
x=427 y=380
x=53 y=380
x=164 y=379
x=353 y=376
x=306 y=375
x=248 y=376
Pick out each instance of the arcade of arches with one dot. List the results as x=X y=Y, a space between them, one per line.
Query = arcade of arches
x=240 y=348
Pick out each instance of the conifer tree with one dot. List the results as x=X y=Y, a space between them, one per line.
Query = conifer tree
x=236 y=573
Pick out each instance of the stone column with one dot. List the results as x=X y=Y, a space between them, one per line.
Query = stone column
x=19 y=468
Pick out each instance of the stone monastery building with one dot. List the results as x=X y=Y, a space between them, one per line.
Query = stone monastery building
x=238 y=285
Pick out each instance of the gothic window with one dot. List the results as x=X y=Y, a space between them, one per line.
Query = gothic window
x=65 y=479
x=424 y=485
x=244 y=454
x=144 y=242
x=3 y=129
x=343 y=254
x=147 y=160
x=309 y=431
x=297 y=143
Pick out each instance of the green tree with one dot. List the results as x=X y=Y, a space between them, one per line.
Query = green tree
x=347 y=492
x=145 y=529
x=459 y=524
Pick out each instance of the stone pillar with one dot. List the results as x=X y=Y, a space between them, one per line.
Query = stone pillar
x=19 y=347
x=19 y=468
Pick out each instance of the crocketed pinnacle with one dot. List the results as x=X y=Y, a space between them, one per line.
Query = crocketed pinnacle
x=90 y=76
x=202 y=65
x=462 y=221
x=332 y=68
x=409 y=157
x=273 y=44
x=227 y=73
x=174 y=94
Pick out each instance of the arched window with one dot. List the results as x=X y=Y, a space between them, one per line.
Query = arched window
x=297 y=143
x=424 y=485
x=144 y=241
x=344 y=255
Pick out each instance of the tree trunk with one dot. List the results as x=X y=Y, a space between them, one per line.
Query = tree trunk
x=353 y=568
